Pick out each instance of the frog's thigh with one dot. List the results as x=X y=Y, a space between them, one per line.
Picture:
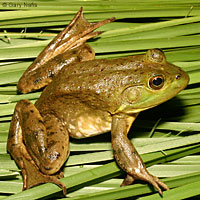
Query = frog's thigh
x=56 y=147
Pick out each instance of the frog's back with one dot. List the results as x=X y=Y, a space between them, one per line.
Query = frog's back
x=97 y=75
x=96 y=81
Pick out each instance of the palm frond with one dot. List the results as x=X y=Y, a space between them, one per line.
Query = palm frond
x=167 y=136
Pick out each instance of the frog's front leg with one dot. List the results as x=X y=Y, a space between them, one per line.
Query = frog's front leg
x=39 y=145
x=127 y=156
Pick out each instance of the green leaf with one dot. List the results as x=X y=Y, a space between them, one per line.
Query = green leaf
x=27 y=27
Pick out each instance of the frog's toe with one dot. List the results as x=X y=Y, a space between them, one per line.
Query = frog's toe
x=59 y=174
x=156 y=185
x=155 y=181
x=127 y=181
x=160 y=183
x=145 y=176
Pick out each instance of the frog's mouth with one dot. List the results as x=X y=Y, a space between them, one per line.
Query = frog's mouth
x=129 y=111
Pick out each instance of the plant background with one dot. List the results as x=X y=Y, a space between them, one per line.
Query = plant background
x=167 y=136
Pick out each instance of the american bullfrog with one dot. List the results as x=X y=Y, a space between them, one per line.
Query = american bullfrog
x=84 y=97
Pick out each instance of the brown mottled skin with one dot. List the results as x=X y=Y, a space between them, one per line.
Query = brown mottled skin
x=86 y=97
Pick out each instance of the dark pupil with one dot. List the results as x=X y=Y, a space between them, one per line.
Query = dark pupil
x=157 y=81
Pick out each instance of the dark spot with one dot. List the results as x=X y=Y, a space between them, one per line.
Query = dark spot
x=137 y=64
x=58 y=155
x=41 y=130
x=119 y=151
x=74 y=52
x=63 y=147
x=51 y=144
x=79 y=58
x=11 y=135
x=26 y=103
x=40 y=121
x=47 y=168
x=32 y=111
x=50 y=133
x=130 y=78
x=38 y=80
x=18 y=158
x=48 y=127
x=41 y=151
x=134 y=153
x=50 y=74
x=35 y=134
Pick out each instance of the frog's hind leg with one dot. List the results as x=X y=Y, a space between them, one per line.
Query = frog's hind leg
x=75 y=34
x=19 y=145
x=64 y=49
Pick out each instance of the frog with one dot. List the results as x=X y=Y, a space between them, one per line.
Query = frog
x=84 y=97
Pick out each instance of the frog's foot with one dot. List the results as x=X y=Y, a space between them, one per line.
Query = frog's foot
x=74 y=35
x=79 y=31
x=145 y=177
x=32 y=176
x=39 y=177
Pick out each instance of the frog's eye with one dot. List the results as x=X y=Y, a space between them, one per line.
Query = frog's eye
x=156 y=82
x=156 y=56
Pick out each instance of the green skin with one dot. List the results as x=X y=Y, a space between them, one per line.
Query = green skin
x=86 y=97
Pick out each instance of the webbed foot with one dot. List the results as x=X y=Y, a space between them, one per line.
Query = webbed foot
x=145 y=176
x=33 y=177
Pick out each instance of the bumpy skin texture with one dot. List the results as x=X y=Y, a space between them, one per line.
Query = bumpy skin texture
x=86 y=97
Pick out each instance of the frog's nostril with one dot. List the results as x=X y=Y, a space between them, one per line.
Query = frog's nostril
x=178 y=76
